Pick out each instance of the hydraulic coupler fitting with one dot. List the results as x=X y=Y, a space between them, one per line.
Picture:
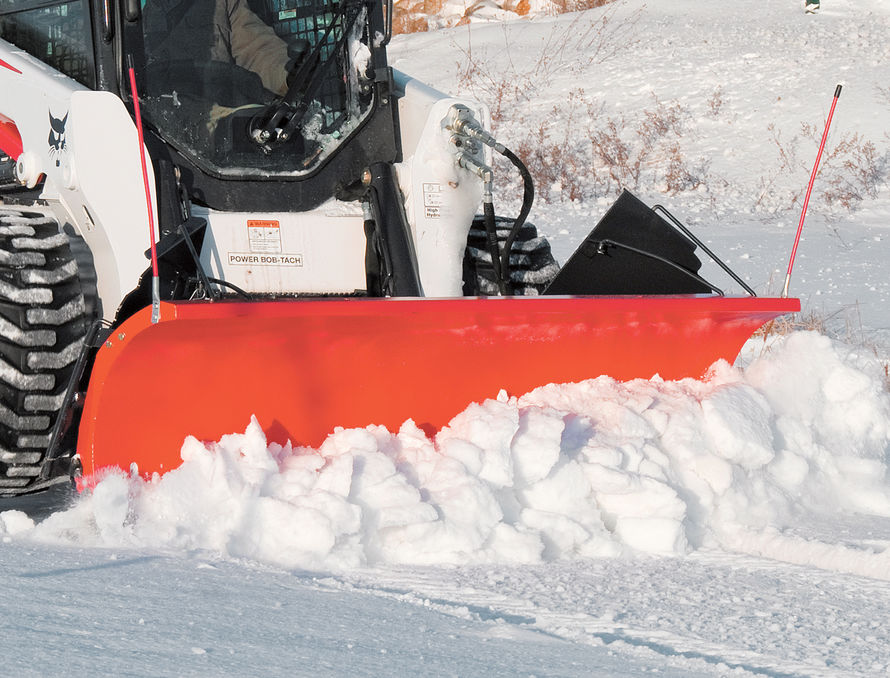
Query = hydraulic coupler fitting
x=462 y=121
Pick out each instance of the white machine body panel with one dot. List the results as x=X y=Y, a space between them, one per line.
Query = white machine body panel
x=86 y=145
x=441 y=198
x=315 y=252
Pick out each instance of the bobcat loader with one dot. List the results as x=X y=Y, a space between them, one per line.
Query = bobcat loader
x=213 y=209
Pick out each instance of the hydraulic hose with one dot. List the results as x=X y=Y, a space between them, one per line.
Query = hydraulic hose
x=463 y=123
x=603 y=245
x=528 y=197
x=491 y=232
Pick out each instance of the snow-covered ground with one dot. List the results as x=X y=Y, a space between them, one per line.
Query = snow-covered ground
x=733 y=526
x=733 y=84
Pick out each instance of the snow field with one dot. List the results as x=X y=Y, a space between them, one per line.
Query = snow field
x=595 y=469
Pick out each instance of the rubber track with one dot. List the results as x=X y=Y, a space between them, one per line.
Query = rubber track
x=532 y=266
x=42 y=325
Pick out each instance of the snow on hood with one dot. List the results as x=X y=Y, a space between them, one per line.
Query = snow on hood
x=598 y=468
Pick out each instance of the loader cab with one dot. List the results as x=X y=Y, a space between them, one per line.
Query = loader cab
x=213 y=69
x=212 y=74
x=264 y=104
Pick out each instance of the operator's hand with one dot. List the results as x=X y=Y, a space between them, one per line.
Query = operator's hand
x=297 y=49
x=218 y=112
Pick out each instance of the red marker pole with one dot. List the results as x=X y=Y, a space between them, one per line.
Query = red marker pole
x=806 y=200
x=155 y=278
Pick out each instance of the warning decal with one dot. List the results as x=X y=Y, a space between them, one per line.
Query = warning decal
x=432 y=200
x=264 y=235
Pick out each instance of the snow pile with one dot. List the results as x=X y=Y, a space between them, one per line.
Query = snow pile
x=597 y=468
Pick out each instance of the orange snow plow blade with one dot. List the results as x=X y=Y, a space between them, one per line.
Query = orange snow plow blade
x=305 y=367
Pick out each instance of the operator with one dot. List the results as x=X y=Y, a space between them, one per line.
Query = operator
x=228 y=31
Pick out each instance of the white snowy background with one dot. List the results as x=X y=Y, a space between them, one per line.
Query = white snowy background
x=735 y=526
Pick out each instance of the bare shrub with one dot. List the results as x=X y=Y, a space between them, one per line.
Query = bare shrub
x=504 y=84
x=716 y=102
x=771 y=197
x=854 y=171
x=555 y=155
x=851 y=170
x=589 y=155
x=680 y=175
x=577 y=153
x=662 y=120
x=647 y=148
x=616 y=155
x=499 y=94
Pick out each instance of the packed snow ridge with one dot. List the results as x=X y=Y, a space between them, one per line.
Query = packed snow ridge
x=598 y=468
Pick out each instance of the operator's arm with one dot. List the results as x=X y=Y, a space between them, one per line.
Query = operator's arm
x=256 y=47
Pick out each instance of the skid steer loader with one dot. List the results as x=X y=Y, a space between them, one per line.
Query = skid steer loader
x=213 y=209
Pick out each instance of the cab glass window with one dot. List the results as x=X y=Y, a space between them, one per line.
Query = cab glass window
x=216 y=75
x=58 y=34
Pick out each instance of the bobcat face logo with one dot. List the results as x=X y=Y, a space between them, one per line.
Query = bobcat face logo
x=57 y=142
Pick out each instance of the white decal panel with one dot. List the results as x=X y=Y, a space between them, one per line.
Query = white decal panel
x=319 y=251
x=432 y=200
x=264 y=243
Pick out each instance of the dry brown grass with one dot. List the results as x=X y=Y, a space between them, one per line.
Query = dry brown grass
x=786 y=324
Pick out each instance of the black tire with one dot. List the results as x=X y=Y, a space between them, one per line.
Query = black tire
x=532 y=266
x=43 y=321
x=7 y=172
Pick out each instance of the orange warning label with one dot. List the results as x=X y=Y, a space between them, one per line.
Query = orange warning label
x=264 y=235
x=263 y=223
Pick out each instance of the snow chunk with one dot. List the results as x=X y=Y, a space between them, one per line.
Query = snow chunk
x=14 y=522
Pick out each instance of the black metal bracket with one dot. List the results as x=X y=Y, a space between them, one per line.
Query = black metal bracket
x=602 y=248
x=69 y=414
x=393 y=234
x=689 y=234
